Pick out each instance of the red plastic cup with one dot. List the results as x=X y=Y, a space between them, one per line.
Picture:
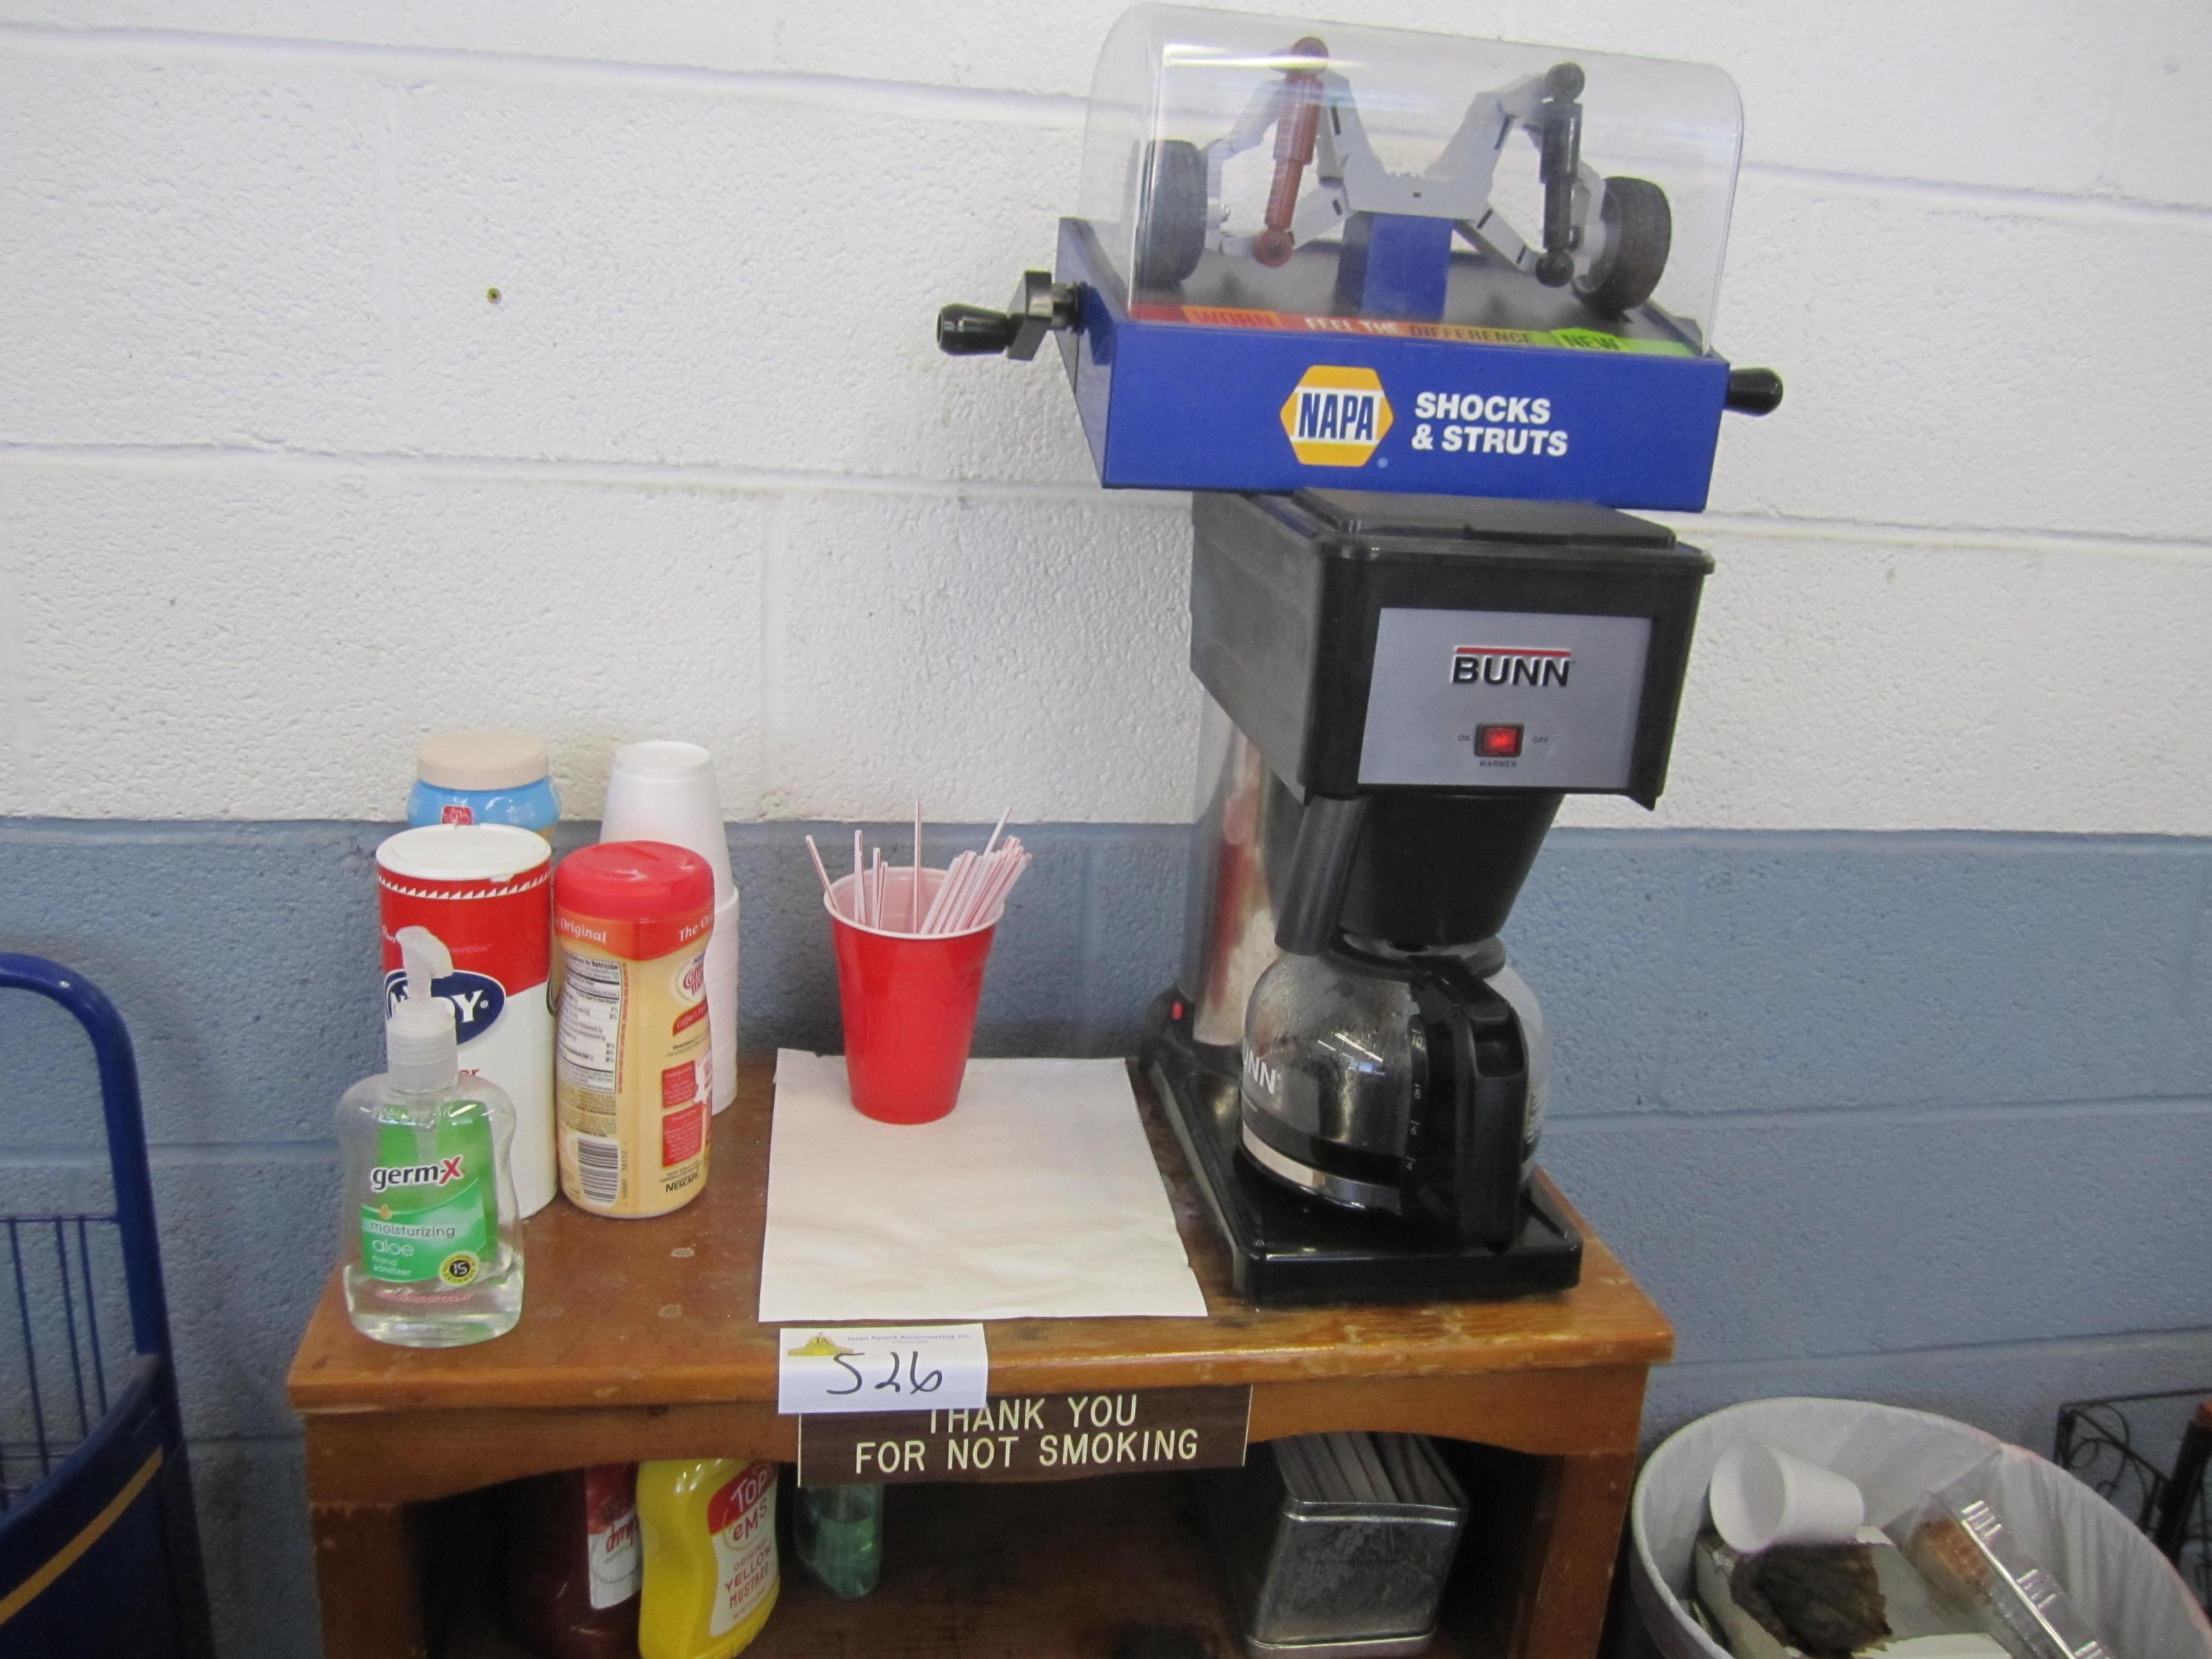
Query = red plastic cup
x=909 y=1001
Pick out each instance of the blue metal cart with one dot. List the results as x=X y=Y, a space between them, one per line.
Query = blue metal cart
x=100 y=1553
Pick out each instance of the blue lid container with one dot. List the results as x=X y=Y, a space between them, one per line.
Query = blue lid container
x=483 y=777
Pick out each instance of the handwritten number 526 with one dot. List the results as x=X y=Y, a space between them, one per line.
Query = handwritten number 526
x=916 y=1380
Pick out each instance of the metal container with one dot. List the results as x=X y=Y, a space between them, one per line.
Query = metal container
x=1337 y=1543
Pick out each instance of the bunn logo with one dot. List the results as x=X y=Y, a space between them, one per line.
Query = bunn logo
x=1269 y=1079
x=1336 y=417
x=1509 y=665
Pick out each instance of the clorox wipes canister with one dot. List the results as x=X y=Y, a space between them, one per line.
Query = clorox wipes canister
x=485 y=892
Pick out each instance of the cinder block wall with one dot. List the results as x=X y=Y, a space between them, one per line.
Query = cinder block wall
x=1886 y=1044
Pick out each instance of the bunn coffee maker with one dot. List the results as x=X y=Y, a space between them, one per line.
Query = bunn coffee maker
x=1400 y=691
x=1411 y=315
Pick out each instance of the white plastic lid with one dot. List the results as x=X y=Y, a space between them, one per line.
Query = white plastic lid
x=480 y=760
x=462 y=851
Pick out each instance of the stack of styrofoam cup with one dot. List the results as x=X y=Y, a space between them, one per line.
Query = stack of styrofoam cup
x=666 y=792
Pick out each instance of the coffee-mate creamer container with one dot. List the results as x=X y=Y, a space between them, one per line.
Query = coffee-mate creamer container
x=634 y=1079
x=485 y=889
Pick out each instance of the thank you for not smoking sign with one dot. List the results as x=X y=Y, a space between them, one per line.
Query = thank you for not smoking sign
x=1033 y=1437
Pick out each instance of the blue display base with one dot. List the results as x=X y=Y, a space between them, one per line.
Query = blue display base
x=1277 y=401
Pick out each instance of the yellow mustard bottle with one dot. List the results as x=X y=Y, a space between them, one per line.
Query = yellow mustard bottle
x=710 y=1566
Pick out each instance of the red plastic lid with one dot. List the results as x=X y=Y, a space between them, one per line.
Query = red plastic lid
x=640 y=899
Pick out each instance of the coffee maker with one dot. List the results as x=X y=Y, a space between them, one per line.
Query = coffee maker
x=1400 y=690
x=1294 y=267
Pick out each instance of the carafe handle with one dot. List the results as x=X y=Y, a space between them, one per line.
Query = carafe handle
x=1469 y=1135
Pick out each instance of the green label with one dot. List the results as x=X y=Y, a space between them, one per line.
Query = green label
x=432 y=1210
x=1591 y=339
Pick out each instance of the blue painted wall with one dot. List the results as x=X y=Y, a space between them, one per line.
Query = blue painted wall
x=1924 y=1118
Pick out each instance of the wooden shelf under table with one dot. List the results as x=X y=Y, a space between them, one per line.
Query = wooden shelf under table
x=999 y=1572
x=638 y=1340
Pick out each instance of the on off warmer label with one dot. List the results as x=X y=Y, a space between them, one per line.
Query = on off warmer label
x=1504 y=699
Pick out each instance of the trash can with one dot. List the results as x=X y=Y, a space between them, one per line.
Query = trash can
x=2124 y=1588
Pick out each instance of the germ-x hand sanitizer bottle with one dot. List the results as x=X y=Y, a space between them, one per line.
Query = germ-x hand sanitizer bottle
x=430 y=1236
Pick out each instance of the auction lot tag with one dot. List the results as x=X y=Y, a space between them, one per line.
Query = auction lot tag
x=1037 y=1436
x=881 y=1368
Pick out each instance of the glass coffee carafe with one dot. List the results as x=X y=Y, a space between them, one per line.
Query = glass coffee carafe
x=1406 y=1085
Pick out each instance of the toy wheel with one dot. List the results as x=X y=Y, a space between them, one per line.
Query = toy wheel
x=1170 y=213
x=1639 y=229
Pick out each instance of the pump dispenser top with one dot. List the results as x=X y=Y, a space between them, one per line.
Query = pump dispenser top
x=422 y=1053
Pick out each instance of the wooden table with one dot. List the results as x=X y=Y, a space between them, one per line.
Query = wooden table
x=638 y=1340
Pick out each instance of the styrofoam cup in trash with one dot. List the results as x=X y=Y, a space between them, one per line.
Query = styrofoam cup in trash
x=1761 y=1496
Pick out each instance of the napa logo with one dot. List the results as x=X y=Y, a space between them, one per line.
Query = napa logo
x=1336 y=417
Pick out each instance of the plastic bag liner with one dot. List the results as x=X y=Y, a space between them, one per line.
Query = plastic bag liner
x=2125 y=1590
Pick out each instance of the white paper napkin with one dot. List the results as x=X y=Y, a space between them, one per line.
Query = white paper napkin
x=1036 y=1198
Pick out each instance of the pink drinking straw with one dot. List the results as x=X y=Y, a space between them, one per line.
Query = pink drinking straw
x=948 y=893
x=1007 y=866
x=948 y=900
x=975 y=884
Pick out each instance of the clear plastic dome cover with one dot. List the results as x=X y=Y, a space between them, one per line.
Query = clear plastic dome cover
x=1252 y=171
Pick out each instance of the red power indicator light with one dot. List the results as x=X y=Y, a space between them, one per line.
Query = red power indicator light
x=1498 y=741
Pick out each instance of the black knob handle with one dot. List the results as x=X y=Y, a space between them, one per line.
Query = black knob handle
x=1750 y=391
x=974 y=332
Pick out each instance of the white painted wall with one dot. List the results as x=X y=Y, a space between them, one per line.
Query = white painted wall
x=280 y=489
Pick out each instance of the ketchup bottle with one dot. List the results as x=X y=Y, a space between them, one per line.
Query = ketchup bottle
x=573 y=1562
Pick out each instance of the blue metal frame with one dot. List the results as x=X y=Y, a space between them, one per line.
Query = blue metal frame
x=1182 y=406
x=101 y=1555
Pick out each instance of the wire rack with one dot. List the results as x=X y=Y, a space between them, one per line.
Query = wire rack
x=2147 y=1454
x=55 y=1368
